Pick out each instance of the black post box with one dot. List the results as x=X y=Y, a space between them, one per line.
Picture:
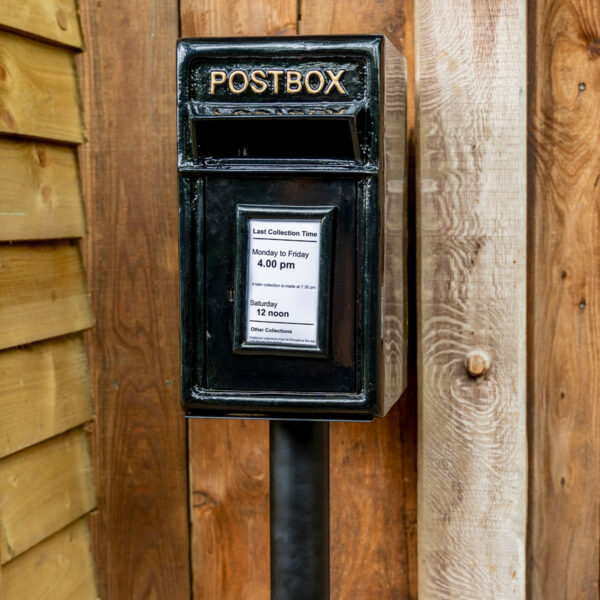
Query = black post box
x=291 y=155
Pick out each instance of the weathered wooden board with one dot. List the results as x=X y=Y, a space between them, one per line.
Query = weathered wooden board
x=229 y=461
x=54 y=20
x=40 y=195
x=44 y=488
x=564 y=376
x=43 y=292
x=373 y=466
x=44 y=390
x=129 y=179
x=471 y=189
x=38 y=90
x=59 y=568
x=240 y=17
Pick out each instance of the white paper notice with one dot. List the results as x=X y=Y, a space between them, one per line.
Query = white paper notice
x=283 y=281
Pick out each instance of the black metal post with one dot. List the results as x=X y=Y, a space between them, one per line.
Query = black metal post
x=299 y=455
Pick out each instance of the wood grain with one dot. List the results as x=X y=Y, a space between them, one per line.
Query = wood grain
x=38 y=90
x=43 y=292
x=141 y=531
x=229 y=460
x=237 y=17
x=564 y=367
x=229 y=468
x=59 y=568
x=471 y=284
x=373 y=466
x=40 y=194
x=44 y=390
x=393 y=161
x=44 y=488
x=54 y=20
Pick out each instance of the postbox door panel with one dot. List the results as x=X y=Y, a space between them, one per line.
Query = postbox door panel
x=271 y=370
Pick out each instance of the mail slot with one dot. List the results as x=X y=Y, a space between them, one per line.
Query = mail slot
x=291 y=157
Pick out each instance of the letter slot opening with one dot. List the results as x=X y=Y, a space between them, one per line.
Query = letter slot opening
x=285 y=138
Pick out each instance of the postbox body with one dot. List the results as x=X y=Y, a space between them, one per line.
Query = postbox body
x=291 y=155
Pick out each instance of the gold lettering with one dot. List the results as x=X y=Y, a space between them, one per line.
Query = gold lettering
x=216 y=78
x=276 y=73
x=335 y=81
x=242 y=74
x=294 y=82
x=258 y=86
x=308 y=86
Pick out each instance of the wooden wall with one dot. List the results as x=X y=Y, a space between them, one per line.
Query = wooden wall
x=150 y=542
x=46 y=410
x=564 y=300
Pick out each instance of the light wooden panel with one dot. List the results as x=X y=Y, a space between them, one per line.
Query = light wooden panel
x=54 y=20
x=373 y=465
x=129 y=179
x=42 y=292
x=238 y=17
x=44 y=488
x=38 y=90
x=40 y=195
x=564 y=492
x=44 y=390
x=59 y=568
x=471 y=188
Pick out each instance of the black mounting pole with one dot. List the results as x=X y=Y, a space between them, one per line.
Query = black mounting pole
x=299 y=452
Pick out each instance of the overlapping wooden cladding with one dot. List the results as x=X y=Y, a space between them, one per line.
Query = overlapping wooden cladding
x=46 y=485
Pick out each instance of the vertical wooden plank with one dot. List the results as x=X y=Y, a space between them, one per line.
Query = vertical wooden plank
x=373 y=466
x=129 y=179
x=564 y=381
x=238 y=17
x=229 y=460
x=471 y=190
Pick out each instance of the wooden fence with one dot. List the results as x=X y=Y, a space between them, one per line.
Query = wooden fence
x=46 y=484
x=504 y=263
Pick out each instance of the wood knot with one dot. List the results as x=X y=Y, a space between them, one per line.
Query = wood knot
x=594 y=49
x=8 y=119
x=3 y=73
x=61 y=19
x=477 y=362
x=41 y=157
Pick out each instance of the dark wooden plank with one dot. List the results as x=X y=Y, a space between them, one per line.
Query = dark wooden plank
x=564 y=365
x=129 y=179
x=472 y=297
x=374 y=466
x=229 y=460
